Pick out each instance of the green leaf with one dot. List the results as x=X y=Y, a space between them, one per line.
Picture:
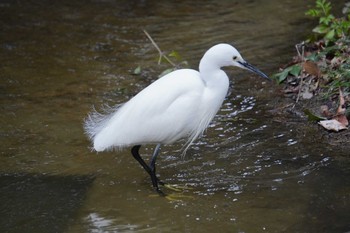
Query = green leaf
x=330 y=35
x=312 y=57
x=313 y=13
x=292 y=70
x=175 y=55
x=320 y=3
x=326 y=20
x=183 y=64
x=281 y=76
x=295 y=70
x=321 y=29
x=312 y=117
x=167 y=71
x=137 y=70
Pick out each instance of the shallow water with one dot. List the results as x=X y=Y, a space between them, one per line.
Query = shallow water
x=251 y=172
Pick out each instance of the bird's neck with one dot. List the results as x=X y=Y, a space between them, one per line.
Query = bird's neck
x=216 y=86
x=213 y=76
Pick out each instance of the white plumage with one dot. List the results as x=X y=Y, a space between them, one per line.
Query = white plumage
x=178 y=105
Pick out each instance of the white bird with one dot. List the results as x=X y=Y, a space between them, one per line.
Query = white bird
x=178 y=105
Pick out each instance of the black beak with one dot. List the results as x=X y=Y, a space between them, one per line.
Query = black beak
x=248 y=66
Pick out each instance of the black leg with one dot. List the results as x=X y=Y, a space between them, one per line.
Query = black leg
x=152 y=164
x=150 y=171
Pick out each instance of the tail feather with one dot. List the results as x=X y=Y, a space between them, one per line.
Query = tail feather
x=96 y=121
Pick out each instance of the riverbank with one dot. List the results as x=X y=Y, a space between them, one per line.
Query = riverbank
x=317 y=79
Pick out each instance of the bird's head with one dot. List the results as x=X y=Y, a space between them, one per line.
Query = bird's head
x=222 y=55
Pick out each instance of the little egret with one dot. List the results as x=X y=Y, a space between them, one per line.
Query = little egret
x=178 y=105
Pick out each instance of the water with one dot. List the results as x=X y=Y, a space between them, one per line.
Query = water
x=253 y=171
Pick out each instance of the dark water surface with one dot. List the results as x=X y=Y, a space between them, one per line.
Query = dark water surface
x=250 y=172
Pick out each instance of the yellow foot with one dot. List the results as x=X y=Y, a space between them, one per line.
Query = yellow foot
x=177 y=187
x=177 y=197
x=173 y=196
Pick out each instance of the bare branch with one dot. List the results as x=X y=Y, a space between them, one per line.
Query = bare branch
x=161 y=54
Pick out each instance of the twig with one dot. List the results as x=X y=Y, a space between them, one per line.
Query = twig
x=302 y=58
x=161 y=54
x=302 y=46
x=300 y=88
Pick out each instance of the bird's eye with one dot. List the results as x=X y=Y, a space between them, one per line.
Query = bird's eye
x=235 y=58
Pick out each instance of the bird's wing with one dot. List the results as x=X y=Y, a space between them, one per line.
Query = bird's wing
x=161 y=113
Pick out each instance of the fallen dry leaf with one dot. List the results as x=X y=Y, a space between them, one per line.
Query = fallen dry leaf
x=340 y=116
x=332 y=125
x=306 y=94
x=325 y=111
x=341 y=119
x=311 y=68
x=336 y=62
x=341 y=109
